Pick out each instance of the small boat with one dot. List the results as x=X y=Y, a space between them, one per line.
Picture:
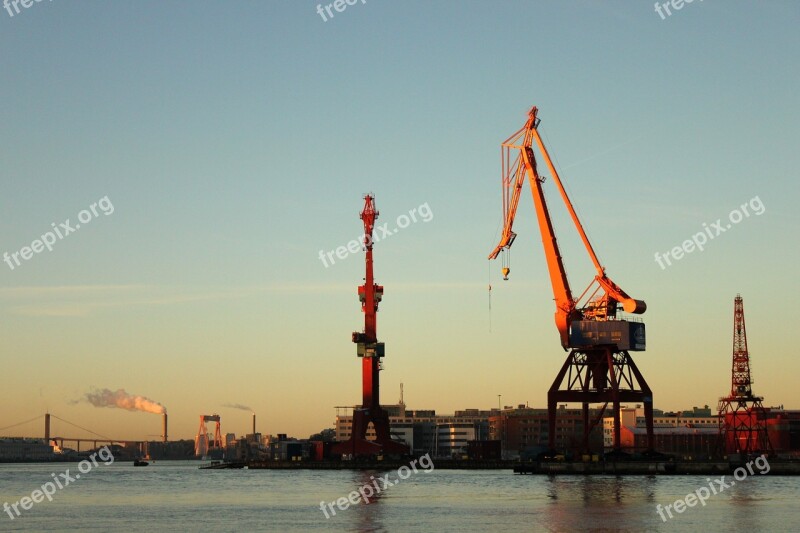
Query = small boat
x=140 y=462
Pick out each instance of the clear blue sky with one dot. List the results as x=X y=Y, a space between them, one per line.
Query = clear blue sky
x=235 y=140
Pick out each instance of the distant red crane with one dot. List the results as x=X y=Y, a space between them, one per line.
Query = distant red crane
x=741 y=414
x=201 y=444
x=371 y=351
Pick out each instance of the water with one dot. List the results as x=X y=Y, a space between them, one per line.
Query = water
x=177 y=496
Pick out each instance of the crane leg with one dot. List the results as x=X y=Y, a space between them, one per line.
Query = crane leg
x=647 y=400
x=586 y=428
x=599 y=375
x=552 y=403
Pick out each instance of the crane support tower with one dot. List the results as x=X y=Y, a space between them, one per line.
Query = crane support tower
x=370 y=351
x=742 y=416
x=599 y=368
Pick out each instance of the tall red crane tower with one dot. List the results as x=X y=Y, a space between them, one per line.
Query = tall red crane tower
x=599 y=368
x=371 y=351
x=741 y=414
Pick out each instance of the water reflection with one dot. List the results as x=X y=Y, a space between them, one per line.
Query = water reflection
x=600 y=501
x=746 y=495
x=369 y=515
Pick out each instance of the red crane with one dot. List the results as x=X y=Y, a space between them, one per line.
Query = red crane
x=201 y=445
x=371 y=351
x=741 y=414
x=599 y=367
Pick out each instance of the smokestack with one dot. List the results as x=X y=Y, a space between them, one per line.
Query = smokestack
x=254 y=423
x=164 y=422
x=47 y=427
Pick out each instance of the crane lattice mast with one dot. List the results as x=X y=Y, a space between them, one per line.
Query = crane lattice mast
x=742 y=415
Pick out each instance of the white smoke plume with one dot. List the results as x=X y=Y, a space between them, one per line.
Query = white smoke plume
x=123 y=400
x=237 y=406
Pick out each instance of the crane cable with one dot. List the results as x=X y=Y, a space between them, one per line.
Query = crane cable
x=489 y=273
x=566 y=186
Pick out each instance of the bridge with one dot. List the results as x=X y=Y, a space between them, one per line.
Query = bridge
x=95 y=441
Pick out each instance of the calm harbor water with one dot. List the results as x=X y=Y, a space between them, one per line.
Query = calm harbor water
x=177 y=496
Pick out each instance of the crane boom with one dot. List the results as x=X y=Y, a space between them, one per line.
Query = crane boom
x=513 y=177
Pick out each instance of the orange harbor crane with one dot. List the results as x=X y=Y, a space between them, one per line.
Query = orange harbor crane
x=371 y=351
x=599 y=367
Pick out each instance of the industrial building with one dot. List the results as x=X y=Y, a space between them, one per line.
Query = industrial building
x=783 y=428
x=22 y=449
x=524 y=431
x=426 y=432
x=697 y=433
x=688 y=434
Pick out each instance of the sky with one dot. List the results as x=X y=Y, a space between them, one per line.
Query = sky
x=224 y=145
